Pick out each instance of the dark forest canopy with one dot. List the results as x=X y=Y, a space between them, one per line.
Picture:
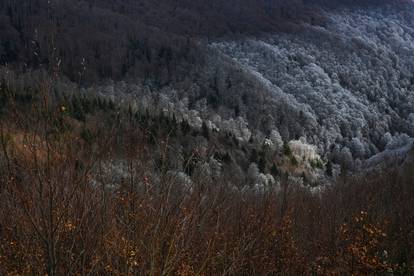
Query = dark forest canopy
x=118 y=38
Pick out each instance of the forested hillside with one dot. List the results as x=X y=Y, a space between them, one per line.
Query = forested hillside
x=343 y=75
x=88 y=186
x=179 y=137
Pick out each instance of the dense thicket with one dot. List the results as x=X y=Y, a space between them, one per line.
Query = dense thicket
x=96 y=42
x=90 y=187
x=352 y=79
x=139 y=38
x=184 y=165
x=172 y=44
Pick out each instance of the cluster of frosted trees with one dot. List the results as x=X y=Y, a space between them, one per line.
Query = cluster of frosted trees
x=345 y=86
x=352 y=80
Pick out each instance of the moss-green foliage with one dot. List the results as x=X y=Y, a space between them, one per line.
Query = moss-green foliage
x=286 y=149
x=87 y=135
x=274 y=170
x=316 y=163
x=293 y=161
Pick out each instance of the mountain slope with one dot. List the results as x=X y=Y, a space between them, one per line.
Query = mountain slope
x=339 y=77
x=353 y=77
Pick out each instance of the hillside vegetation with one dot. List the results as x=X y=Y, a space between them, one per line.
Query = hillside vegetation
x=91 y=187
x=179 y=137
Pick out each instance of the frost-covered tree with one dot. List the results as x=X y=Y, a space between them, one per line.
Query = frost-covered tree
x=357 y=148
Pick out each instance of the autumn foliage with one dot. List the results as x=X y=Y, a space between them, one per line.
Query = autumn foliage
x=63 y=211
